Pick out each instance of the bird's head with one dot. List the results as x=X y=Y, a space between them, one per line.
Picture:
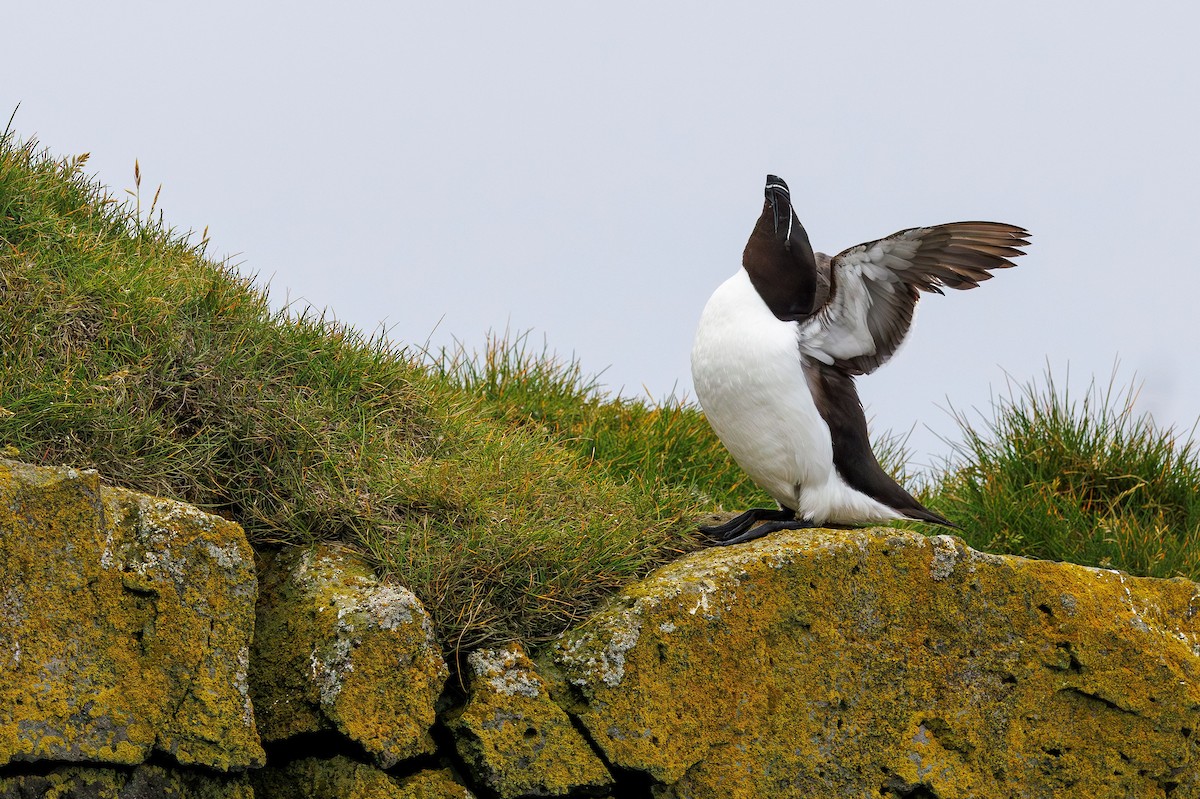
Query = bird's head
x=778 y=255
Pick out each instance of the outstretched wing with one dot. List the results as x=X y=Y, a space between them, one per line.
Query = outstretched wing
x=872 y=288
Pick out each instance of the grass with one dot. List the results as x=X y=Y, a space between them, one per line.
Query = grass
x=1087 y=480
x=503 y=486
x=506 y=490
x=630 y=439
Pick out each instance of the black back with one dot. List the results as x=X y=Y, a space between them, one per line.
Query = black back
x=837 y=401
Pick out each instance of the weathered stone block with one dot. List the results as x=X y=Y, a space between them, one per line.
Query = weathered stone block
x=125 y=625
x=513 y=736
x=882 y=662
x=337 y=648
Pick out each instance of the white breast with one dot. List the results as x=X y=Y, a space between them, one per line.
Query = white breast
x=746 y=366
x=748 y=378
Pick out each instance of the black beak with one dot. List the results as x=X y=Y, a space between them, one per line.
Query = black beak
x=780 y=198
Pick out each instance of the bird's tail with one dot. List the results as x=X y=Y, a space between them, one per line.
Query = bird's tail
x=921 y=514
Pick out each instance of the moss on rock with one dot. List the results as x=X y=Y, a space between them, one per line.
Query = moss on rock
x=342 y=778
x=882 y=662
x=141 y=782
x=125 y=625
x=337 y=648
x=513 y=736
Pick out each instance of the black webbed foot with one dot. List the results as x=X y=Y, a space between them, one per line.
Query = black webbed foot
x=763 y=529
x=742 y=522
x=739 y=528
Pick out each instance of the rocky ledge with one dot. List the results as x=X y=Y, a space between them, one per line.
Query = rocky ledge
x=880 y=662
x=142 y=654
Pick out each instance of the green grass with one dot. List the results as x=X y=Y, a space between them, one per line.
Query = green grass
x=503 y=488
x=1087 y=480
x=630 y=439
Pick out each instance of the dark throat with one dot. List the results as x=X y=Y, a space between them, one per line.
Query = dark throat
x=783 y=271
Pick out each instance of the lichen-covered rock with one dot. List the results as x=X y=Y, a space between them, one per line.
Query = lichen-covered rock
x=433 y=784
x=513 y=736
x=342 y=778
x=337 y=648
x=142 y=782
x=882 y=662
x=125 y=625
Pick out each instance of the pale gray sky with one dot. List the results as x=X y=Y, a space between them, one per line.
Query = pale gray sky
x=592 y=173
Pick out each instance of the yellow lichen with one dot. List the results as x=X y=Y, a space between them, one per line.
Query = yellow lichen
x=342 y=778
x=123 y=631
x=337 y=648
x=883 y=662
x=514 y=738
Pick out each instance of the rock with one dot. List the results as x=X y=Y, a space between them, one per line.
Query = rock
x=885 y=663
x=125 y=625
x=142 y=782
x=433 y=784
x=337 y=648
x=512 y=735
x=342 y=778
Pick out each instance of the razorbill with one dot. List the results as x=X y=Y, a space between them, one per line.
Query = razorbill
x=779 y=345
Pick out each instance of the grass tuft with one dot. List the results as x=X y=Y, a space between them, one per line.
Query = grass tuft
x=1087 y=480
x=666 y=443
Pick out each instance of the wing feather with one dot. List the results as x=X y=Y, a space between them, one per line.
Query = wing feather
x=869 y=291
